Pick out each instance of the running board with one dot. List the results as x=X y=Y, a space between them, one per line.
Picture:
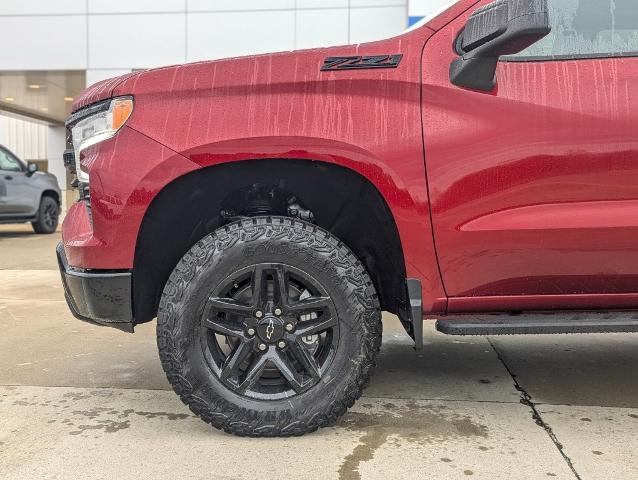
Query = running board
x=539 y=323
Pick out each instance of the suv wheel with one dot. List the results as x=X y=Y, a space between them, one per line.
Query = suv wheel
x=48 y=216
x=269 y=327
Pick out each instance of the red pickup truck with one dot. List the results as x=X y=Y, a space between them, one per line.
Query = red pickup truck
x=480 y=169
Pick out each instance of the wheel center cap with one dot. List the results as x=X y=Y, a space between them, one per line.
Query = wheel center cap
x=270 y=329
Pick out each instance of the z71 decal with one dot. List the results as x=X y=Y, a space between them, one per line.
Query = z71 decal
x=360 y=63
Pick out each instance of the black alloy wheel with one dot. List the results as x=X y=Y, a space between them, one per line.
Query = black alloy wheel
x=50 y=218
x=270 y=331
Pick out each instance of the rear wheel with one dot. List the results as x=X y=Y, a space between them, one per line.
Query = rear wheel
x=269 y=327
x=48 y=216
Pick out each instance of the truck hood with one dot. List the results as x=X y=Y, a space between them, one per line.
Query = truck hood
x=99 y=91
x=252 y=69
x=260 y=68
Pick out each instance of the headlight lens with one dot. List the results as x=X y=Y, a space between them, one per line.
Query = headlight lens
x=98 y=127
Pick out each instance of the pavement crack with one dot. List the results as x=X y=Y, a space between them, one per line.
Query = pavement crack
x=526 y=399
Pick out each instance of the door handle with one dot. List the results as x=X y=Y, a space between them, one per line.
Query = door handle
x=8 y=177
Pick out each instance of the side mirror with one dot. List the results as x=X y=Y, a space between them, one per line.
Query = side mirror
x=503 y=27
x=32 y=168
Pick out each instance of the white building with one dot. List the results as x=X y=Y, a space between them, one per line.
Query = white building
x=51 y=49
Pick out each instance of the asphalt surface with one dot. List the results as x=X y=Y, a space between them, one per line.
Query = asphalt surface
x=79 y=401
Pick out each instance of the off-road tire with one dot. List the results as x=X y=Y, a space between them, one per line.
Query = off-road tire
x=251 y=241
x=43 y=224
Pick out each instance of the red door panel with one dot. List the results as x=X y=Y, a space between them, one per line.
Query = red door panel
x=533 y=187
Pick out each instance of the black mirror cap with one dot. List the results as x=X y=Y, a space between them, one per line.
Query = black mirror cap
x=503 y=27
x=32 y=168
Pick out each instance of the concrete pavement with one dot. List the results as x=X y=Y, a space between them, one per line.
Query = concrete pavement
x=79 y=401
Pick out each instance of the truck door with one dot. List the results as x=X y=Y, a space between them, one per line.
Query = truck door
x=534 y=186
x=18 y=197
x=4 y=202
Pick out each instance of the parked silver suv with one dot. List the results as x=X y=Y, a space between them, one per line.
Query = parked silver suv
x=27 y=195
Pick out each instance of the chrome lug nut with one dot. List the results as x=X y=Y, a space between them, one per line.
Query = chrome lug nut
x=262 y=346
x=281 y=344
x=289 y=327
x=259 y=314
x=251 y=331
x=277 y=311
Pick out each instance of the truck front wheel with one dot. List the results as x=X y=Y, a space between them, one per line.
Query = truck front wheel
x=48 y=215
x=269 y=327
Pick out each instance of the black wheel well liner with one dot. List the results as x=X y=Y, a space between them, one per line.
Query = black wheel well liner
x=342 y=201
x=53 y=194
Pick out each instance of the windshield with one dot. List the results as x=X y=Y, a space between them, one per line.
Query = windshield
x=443 y=6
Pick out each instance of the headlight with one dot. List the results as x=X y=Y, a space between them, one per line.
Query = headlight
x=96 y=124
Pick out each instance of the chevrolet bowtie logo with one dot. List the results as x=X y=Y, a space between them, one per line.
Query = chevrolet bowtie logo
x=270 y=329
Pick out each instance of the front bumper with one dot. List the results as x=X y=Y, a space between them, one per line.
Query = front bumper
x=98 y=297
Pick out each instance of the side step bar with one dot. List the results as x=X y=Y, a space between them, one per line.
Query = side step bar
x=539 y=323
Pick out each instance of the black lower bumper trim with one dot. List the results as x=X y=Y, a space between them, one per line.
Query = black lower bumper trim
x=99 y=297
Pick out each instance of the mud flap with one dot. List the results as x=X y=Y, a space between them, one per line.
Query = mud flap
x=416 y=311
